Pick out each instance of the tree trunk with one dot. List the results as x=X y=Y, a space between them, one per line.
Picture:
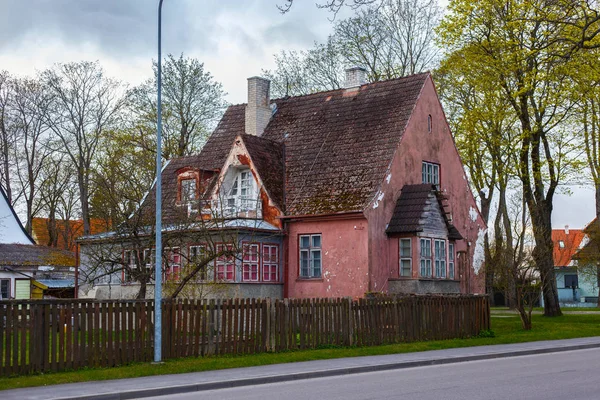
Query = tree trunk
x=542 y=254
x=83 y=194
x=142 y=292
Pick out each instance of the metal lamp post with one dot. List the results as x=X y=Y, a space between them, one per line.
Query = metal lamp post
x=158 y=250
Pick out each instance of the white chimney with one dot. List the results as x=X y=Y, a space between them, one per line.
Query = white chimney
x=258 y=112
x=355 y=77
x=566 y=229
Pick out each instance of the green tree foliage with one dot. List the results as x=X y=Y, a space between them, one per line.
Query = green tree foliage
x=524 y=50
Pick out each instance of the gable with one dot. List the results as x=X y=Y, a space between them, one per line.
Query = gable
x=564 y=253
x=262 y=158
x=11 y=230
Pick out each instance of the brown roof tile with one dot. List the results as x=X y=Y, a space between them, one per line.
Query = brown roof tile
x=410 y=207
x=337 y=146
x=16 y=255
x=267 y=156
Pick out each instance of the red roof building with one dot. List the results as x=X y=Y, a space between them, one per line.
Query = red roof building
x=567 y=242
x=340 y=193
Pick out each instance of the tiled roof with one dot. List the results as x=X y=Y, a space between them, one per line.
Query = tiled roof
x=15 y=255
x=40 y=231
x=267 y=157
x=337 y=147
x=339 y=144
x=563 y=254
x=410 y=207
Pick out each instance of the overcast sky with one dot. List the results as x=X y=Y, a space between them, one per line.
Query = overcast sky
x=234 y=38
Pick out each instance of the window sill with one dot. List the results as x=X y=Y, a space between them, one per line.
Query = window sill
x=309 y=279
x=259 y=283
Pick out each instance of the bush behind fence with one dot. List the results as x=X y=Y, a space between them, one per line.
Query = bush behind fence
x=57 y=335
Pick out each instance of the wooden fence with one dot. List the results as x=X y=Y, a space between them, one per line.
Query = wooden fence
x=57 y=335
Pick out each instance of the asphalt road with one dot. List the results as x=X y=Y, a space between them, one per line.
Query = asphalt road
x=568 y=375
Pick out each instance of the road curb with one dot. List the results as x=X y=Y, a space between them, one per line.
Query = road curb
x=260 y=380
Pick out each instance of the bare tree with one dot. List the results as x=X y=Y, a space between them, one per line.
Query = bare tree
x=29 y=107
x=391 y=40
x=192 y=104
x=7 y=137
x=85 y=104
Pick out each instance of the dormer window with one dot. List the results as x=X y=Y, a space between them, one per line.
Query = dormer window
x=187 y=186
x=188 y=190
x=561 y=244
x=242 y=196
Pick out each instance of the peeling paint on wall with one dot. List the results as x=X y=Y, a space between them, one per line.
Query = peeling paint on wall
x=473 y=213
x=380 y=196
x=479 y=254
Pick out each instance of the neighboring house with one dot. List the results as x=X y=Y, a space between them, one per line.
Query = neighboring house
x=26 y=269
x=62 y=233
x=575 y=287
x=337 y=193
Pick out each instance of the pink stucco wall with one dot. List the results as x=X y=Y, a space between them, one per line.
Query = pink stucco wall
x=419 y=145
x=345 y=258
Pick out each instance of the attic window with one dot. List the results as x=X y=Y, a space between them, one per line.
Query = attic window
x=243 y=194
x=430 y=173
x=187 y=186
x=429 y=123
x=188 y=190
x=561 y=244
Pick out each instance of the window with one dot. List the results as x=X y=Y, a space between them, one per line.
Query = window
x=270 y=262
x=429 y=123
x=189 y=190
x=561 y=244
x=4 y=289
x=130 y=261
x=225 y=264
x=430 y=173
x=405 y=257
x=571 y=281
x=451 y=261
x=196 y=254
x=310 y=256
x=250 y=262
x=440 y=258
x=426 y=257
x=172 y=270
x=243 y=194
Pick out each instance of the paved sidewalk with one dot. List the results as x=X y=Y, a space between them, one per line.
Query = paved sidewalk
x=198 y=381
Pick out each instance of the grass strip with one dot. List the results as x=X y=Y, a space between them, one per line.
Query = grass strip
x=507 y=329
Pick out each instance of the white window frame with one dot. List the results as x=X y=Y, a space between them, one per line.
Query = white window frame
x=425 y=269
x=129 y=263
x=188 y=196
x=8 y=285
x=250 y=262
x=242 y=196
x=310 y=257
x=270 y=263
x=430 y=173
x=195 y=251
x=451 y=260
x=404 y=258
x=440 y=258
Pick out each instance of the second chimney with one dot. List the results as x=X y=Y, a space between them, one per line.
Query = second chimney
x=258 y=112
x=355 y=77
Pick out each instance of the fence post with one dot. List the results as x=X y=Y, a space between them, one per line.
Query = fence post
x=350 y=322
x=267 y=324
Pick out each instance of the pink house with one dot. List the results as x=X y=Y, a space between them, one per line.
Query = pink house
x=350 y=191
